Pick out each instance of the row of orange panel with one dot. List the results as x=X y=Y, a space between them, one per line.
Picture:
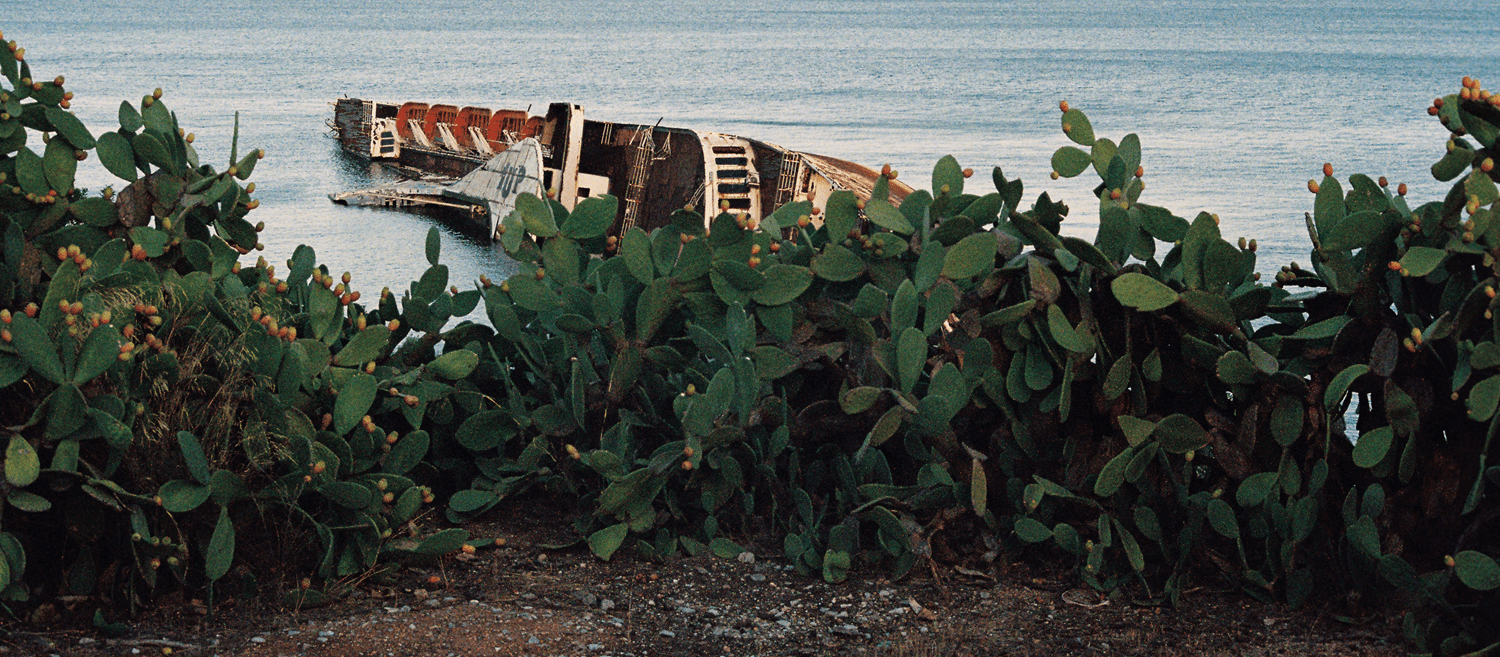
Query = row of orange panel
x=460 y=120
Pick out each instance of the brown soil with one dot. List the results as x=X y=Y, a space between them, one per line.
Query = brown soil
x=523 y=599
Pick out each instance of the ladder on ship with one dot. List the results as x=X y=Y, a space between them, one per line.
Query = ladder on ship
x=786 y=181
x=635 y=187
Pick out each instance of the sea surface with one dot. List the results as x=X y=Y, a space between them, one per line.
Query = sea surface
x=1237 y=103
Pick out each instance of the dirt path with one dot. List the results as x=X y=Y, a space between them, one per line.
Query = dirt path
x=522 y=599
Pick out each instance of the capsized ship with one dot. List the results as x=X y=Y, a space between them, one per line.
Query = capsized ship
x=479 y=160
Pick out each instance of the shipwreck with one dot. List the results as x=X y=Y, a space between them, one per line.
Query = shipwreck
x=478 y=160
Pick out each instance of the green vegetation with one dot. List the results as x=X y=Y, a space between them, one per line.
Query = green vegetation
x=869 y=383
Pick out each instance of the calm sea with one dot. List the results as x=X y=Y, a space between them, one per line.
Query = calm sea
x=1237 y=103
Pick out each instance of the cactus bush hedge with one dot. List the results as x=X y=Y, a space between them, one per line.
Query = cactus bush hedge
x=876 y=385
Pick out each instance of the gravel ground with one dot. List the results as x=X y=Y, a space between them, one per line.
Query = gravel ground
x=524 y=599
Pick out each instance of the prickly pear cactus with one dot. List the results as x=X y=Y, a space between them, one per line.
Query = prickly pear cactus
x=159 y=394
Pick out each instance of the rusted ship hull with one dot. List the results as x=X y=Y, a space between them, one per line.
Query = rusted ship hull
x=652 y=170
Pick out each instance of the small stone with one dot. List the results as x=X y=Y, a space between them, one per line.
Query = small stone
x=746 y=557
x=849 y=630
x=757 y=577
x=669 y=634
x=596 y=646
x=606 y=604
x=686 y=611
x=257 y=639
x=533 y=641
